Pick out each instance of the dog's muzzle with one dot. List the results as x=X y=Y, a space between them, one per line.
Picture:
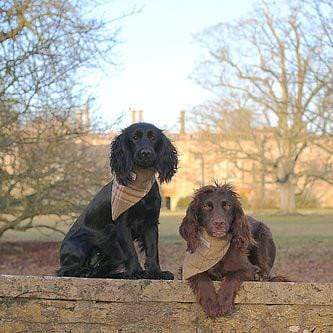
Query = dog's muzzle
x=146 y=157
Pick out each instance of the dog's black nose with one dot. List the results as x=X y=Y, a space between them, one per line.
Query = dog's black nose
x=146 y=153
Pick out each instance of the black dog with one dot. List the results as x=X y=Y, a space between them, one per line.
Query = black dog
x=97 y=246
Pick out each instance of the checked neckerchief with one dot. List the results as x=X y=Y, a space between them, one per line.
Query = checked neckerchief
x=207 y=255
x=124 y=197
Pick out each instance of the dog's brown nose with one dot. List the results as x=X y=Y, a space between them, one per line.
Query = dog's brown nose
x=218 y=225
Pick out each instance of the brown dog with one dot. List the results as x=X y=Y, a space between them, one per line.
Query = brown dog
x=216 y=212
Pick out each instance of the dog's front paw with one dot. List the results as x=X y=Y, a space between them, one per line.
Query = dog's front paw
x=159 y=275
x=226 y=304
x=135 y=274
x=225 y=309
x=211 y=307
x=166 y=275
x=253 y=273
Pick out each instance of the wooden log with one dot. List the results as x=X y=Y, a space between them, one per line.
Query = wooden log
x=51 y=304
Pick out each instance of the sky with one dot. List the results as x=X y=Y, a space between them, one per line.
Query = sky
x=156 y=57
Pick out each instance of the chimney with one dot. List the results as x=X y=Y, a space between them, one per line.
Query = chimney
x=136 y=115
x=140 y=115
x=133 y=115
x=182 y=122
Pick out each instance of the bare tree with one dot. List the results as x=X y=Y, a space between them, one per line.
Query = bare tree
x=45 y=165
x=55 y=176
x=271 y=73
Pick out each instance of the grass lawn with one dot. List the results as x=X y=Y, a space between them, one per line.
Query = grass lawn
x=309 y=227
x=296 y=230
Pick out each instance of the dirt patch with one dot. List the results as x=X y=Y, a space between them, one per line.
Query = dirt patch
x=29 y=258
x=42 y=258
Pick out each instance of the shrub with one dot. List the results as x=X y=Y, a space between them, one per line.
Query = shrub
x=307 y=200
x=184 y=202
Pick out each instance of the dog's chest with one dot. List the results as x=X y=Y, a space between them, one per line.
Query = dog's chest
x=143 y=214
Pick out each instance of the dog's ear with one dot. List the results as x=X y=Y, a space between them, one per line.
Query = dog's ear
x=189 y=228
x=167 y=162
x=121 y=161
x=240 y=229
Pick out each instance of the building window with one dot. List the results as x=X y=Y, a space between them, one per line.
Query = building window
x=168 y=203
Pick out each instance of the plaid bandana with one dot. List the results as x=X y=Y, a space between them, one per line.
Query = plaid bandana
x=208 y=254
x=124 y=197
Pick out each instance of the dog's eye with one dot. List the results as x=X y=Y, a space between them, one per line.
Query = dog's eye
x=207 y=206
x=137 y=136
x=151 y=135
x=225 y=205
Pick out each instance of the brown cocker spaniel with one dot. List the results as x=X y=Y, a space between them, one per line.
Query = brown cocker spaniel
x=217 y=210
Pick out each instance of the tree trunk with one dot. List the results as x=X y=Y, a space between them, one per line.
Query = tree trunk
x=287 y=198
x=259 y=181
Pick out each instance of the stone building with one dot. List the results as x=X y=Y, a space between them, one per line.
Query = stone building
x=199 y=165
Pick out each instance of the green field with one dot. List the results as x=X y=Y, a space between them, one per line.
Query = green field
x=299 y=229
x=309 y=227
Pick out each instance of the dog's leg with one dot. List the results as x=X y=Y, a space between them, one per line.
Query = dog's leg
x=229 y=287
x=152 y=266
x=72 y=259
x=131 y=261
x=204 y=291
x=227 y=292
x=263 y=254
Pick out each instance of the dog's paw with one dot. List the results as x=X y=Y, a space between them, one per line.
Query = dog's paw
x=135 y=274
x=226 y=309
x=225 y=303
x=166 y=275
x=159 y=275
x=211 y=307
x=255 y=274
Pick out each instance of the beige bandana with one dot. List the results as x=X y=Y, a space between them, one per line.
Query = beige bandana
x=124 y=197
x=209 y=253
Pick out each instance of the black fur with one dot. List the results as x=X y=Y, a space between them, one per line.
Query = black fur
x=96 y=246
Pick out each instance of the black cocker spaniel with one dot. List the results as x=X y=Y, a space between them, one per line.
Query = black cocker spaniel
x=98 y=245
